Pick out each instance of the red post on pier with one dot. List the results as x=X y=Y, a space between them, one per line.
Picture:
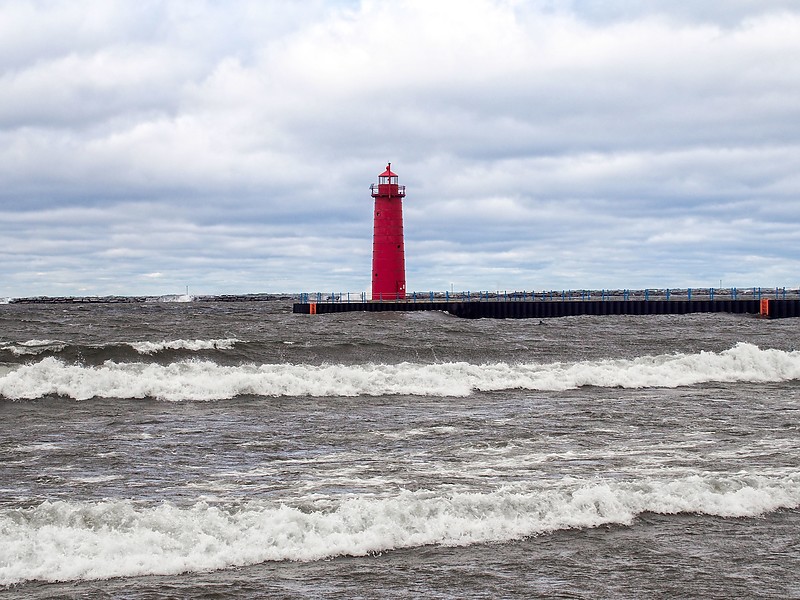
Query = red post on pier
x=388 y=248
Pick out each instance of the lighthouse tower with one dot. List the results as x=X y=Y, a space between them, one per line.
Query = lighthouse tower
x=388 y=250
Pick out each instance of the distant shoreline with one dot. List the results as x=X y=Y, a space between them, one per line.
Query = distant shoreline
x=732 y=293
x=167 y=299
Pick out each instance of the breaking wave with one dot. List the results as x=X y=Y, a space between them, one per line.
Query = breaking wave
x=193 y=345
x=206 y=380
x=63 y=541
x=35 y=347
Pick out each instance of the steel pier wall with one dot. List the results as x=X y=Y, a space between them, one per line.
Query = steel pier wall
x=547 y=309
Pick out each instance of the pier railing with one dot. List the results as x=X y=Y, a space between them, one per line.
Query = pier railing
x=732 y=293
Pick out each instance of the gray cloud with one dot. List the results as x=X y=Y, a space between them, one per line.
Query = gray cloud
x=230 y=146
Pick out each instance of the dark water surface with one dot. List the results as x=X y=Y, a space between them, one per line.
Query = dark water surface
x=218 y=450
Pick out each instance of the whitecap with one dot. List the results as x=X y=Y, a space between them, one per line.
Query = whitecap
x=206 y=380
x=192 y=345
x=70 y=540
x=33 y=347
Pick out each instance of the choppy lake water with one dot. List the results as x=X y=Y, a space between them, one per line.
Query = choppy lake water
x=214 y=450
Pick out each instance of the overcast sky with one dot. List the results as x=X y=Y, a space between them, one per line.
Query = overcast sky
x=229 y=145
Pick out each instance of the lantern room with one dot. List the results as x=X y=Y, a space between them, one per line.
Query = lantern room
x=388 y=184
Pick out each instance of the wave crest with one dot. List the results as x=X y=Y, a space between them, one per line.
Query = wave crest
x=60 y=541
x=34 y=347
x=206 y=380
x=192 y=345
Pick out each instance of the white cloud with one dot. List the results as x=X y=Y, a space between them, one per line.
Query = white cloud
x=232 y=144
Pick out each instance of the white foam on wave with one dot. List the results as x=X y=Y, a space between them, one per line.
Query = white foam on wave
x=33 y=347
x=62 y=541
x=193 y=345
x=206 y=380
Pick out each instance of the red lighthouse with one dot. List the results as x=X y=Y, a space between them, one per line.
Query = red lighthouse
x=388 y=250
